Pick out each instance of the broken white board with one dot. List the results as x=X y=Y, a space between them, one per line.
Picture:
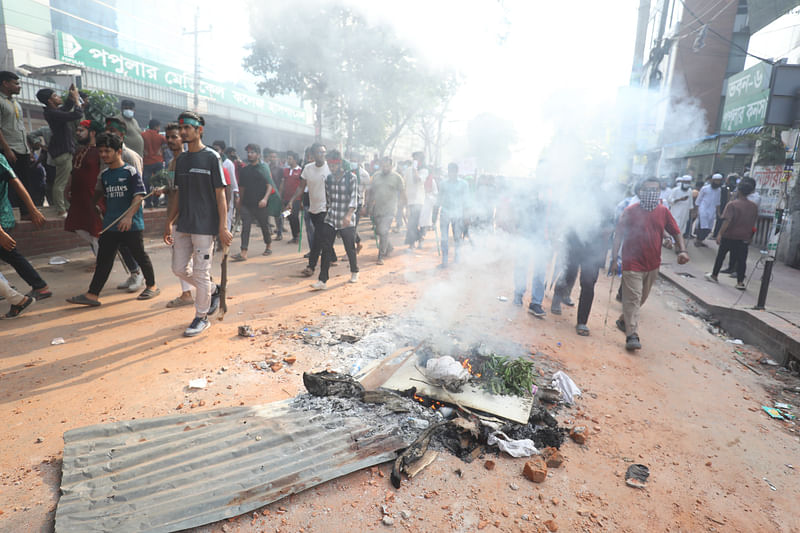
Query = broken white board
x=411 y=374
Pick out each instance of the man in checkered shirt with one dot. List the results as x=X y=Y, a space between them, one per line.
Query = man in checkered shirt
x=341 y=190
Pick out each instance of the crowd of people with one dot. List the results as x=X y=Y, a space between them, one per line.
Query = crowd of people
x=106 y=173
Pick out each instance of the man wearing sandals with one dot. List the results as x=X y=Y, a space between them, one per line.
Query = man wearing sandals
x=123 y=189
x=255 y=189
x=200 y=211
x=8 y=247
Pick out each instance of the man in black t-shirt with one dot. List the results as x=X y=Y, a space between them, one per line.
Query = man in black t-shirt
x=200 y=208
x=255 y=187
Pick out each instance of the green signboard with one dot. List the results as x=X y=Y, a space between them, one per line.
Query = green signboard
x=746 y=99
x=85 y=53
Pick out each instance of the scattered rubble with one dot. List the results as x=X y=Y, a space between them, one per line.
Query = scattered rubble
x=535 y=470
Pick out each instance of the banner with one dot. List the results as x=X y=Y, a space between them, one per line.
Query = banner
x=768 y=186
x=84 y=53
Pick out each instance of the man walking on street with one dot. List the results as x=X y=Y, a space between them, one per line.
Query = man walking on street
x=13 y=141
x=341 y=190
x=452 y=199
x=382 y=198
x=133 y=132
x=739 y=219
x=679 y=201
x=289 y=185
x=229 y=176
x=255 y=190
x=62 y=143
x=708 y=201
x=199 y=207
x=313 y=177
x=642 y=226
x=415 y=177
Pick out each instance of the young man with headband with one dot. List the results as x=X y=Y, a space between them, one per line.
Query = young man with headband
x=199 y=209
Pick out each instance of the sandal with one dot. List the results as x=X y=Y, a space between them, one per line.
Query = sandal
x=18 y=309
x=40 y=294
x=238 y=258
x=179 y=302
x=81 y=299
x=267 y=252
x=148 y=294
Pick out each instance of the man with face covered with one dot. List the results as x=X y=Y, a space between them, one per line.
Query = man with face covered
x=708 y=201
x=641 y=226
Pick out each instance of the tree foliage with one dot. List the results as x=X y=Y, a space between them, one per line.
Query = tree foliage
x=363 y=81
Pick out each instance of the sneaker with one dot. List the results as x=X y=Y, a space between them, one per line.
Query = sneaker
x=632 y=343
x=537 y=311
x=620 y=325
x=137 y=284
x=319 y=286
x=20 y=308
x=212 y=308
x=518 y=300
x=568 y=302
x=710 y=277
x=379 y=261
x=307 y=272
x=582 y=330
x=555 y=307
x=127 y=283
x=354 y=277
x=741 y=286
x=198 y=326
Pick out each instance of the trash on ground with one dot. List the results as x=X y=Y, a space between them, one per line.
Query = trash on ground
x=58 y=260
x=636 y=476
x=412 y=454
x=58 y=340
x=199 y=383
x=769 y=362
x=502 y=298
x=772 y=412
x=513 y=447
x=771 y=486
x=749 y=367
x=564 y=384
x=447 y=372
x=246 y=331
x=737 y=342
x=328 y=383
x=781 y=405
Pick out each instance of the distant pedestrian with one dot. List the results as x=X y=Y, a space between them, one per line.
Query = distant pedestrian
x=231 y=183
x=313 y=178
x=739 y=221
x=641 y=227
x=288 y=188
x=82 y=217
x=133 y=132
x=708 y=201
x=679 y=201
x=153 y=158
x=452 y=201
x=255 y=192
x=382 y=198
x=415 y=177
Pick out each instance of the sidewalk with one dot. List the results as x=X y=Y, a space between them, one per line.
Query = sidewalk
x=775 y=329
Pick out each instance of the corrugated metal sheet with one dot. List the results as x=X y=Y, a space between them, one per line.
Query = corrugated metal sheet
x=175 y=472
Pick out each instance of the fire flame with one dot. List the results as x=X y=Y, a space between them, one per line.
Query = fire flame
x=465 y=363
x=434 y=404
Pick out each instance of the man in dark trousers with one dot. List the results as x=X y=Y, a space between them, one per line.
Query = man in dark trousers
x=739 y=219
x=255 y=189
x=13 y=142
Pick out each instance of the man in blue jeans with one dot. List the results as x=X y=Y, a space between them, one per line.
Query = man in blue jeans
x=534 y=245
x=452 y=200
x=8 y=247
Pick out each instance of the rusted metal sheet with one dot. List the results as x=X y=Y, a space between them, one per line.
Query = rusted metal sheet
x=175 y=472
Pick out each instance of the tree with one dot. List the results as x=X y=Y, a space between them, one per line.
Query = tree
x=361 y=77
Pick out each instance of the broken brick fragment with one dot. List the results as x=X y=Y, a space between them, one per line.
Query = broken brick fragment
x=489 y=465
x=551 y=525
x=535 y=470
x=552 y=457
x=578 y=434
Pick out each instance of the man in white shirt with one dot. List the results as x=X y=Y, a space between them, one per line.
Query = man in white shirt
x=415 y=177
x=708 y=201
x=679 y=201
x=232 y=190
x=313 y=177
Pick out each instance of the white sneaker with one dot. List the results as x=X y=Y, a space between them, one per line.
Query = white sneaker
x=127 y=283
x=137 y=283
x=354 y=277
x=710 y=277
x=319 y=286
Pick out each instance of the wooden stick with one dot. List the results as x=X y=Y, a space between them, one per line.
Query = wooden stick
x=146 y=196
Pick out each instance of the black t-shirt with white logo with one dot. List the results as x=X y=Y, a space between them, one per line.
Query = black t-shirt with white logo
x=197 y=176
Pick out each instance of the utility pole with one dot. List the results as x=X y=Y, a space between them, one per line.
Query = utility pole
x=195 y=33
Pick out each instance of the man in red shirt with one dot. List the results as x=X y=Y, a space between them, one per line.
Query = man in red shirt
x=288 y=186
x=641 y=227
x=153 y=159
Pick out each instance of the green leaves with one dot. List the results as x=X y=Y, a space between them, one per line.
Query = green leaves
x=504 y=376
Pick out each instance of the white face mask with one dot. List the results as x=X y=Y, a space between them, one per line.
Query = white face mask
x=127 y=113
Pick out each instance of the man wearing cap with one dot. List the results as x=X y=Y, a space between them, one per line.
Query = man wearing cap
x=58 y=115
x=198 y=207
x=679 y=201
x=708 y=201
x=12 y=135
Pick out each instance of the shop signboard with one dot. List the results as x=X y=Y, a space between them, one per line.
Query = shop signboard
x=768 y=186
x=85 y=53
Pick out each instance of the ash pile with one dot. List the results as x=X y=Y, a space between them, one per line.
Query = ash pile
x=468 y=401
